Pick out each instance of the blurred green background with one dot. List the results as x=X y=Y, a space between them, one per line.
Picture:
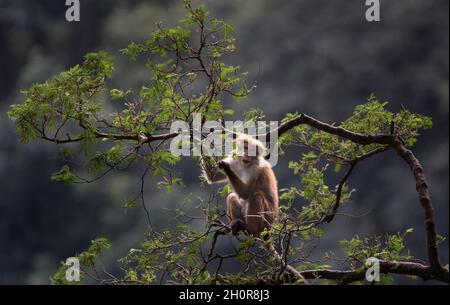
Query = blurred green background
x=316 y=56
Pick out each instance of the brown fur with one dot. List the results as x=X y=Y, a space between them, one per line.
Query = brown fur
x=253 y=204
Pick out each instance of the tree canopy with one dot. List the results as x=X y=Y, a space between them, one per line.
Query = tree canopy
x=99 y=129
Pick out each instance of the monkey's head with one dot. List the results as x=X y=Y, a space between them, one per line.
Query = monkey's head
x=248 y=150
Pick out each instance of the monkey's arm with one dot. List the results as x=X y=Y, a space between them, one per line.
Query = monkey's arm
x=238 y=185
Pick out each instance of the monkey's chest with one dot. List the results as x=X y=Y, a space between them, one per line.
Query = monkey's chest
x=243 y=174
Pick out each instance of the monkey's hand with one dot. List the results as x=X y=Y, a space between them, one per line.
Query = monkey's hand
x=223 y=164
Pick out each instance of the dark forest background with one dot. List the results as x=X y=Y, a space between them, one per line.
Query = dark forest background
x=316 y=56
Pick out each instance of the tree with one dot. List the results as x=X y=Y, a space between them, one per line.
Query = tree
x=189 y=75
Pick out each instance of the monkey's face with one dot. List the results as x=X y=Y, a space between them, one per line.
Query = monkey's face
x=248 y=154
x=247 y=161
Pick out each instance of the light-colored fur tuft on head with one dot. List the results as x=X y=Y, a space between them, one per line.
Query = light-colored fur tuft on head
x=244 y=138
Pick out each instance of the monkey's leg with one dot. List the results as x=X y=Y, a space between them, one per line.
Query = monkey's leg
x=235 y=213
x=259 y=215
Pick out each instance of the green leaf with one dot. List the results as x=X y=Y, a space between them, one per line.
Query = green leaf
x=64 y=174
x=116 y=94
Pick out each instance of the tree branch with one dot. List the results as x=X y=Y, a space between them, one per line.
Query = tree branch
x=338 y=131
x=403 y=268
x=329 y=217
x=435 y=270
x=425 y=200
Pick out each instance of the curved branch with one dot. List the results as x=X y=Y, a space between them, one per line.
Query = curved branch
x=403 y=268
x=389 y=141
x=344 y=277
x=338 y=131
x=329 y=217
x=283 y=262
x=425 y=200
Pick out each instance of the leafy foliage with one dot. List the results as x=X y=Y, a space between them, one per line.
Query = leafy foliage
x=86 y=258
x=360 y=249
x=189 y=75
x=371 y=118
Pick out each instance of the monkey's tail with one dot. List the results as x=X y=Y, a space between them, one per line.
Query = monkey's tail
x=288 y=268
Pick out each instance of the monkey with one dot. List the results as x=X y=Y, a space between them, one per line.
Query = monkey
x=252 y=205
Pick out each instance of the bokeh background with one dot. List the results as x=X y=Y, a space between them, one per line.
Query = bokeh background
x=316 y=56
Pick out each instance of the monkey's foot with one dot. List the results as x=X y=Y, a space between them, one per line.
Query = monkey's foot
x=236 y=226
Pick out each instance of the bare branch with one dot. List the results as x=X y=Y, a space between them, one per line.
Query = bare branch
x=425 y=200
